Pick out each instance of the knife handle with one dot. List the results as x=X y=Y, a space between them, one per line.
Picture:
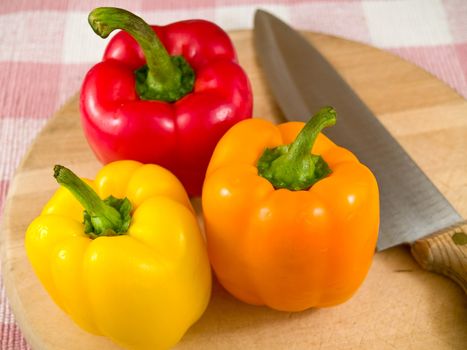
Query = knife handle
x=445 y=253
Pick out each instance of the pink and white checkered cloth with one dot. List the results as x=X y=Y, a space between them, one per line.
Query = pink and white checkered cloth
x=46 y=47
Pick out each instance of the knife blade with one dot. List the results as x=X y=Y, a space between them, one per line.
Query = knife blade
x=302 y=81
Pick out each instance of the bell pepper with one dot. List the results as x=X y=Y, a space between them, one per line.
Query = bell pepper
x=162 y=94
x=132 y=267
x=291 y=218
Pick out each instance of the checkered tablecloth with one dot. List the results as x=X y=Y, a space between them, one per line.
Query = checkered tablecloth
x=46 y=47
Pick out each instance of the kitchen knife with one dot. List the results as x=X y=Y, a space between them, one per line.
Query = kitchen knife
x=302 y=81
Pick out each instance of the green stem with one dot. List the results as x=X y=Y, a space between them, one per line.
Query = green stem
x=107 y=217
x=164 y=77
x=293 y=166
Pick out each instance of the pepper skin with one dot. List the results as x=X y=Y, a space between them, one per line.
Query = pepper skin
x=180 y=132
x=288 y=249
x=142 y=288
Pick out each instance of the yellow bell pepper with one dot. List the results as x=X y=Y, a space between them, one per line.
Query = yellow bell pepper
x=136 y=269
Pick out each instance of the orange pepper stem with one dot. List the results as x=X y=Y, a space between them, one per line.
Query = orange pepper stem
x=293 y=166
x=164 y=77
x=108 y=217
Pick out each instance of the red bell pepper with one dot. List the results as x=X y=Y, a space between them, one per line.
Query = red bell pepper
x=162 y=94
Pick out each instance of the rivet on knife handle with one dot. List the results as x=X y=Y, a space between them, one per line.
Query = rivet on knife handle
x=445 y=253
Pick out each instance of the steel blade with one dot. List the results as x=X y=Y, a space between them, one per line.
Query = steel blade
x=302 y=81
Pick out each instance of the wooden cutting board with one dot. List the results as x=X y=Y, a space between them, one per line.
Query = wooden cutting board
x=398 y=306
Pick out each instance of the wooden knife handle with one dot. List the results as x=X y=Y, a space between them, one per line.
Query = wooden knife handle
x=445 y=253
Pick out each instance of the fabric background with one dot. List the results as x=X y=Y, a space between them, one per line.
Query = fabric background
x=46 y=47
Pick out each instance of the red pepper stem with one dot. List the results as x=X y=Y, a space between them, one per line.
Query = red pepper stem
x=164 y=78
x=100 y=217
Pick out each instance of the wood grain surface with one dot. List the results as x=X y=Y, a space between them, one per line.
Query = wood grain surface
x=399 y=306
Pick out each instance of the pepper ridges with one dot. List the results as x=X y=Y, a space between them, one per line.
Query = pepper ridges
x=144 y=283
x=122 y=120
x=274 y=240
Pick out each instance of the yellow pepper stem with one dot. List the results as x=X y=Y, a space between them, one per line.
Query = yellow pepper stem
x=108 y=217
x=293 y=166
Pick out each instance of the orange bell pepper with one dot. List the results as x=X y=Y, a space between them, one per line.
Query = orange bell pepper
x=286 y=227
